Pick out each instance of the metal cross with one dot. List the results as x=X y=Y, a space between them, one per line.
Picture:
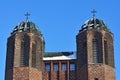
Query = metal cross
x=93 y=11
x=27 y=14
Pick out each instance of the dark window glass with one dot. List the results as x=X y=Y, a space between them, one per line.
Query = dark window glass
x=33 y=55
x=64 y=67
x=72 y=67
x=55 y=67
x=95 y=51
x=22 y=54
x=47 y=67
x=106 y=52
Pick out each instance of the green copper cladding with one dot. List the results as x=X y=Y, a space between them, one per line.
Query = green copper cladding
x=26 y=27
x=95 y=24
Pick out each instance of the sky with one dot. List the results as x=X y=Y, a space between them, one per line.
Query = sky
x=59 y=21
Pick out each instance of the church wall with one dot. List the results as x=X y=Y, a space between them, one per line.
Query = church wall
x=26 y=73
x=95 y=55
x=82 y=73
x=9 y=74
x=96 y=72
x=109 y=73
x=94 y=46
x=59 y=74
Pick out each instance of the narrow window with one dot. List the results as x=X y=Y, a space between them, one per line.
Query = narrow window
x=95 y=51
x=55 y=67
x=22 y=54
x=64 y=67
x=47 y=67
x=72 y=67
x=33 y=55
x=106 y=52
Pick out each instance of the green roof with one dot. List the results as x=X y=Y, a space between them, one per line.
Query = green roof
x=26 y=26
x=94 y=24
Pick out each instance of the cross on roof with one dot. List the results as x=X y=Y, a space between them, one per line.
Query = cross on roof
x=27 y=14
x=93 y=11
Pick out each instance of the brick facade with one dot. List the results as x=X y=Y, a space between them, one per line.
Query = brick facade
x=95 y=55
x=22 y=61
x=60 y=74
x=93 y=59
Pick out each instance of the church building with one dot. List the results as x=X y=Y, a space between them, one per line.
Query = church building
x=26 y=58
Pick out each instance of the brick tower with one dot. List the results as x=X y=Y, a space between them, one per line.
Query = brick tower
x=93 y=60
x=95 y=51
x=25 y=48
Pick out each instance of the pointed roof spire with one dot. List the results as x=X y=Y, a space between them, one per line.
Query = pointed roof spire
x=27 y=15
x=93 y=12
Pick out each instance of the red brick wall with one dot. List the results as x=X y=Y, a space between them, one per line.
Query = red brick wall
x=92 y=71
x=82 y=73
x=55 y=76
x=21 y=73
x=35 y=74
x=101 y=71
x=96 y=71
x=25 y=73
x=109 y=73
x=46 y=75
x=60 y=74
x=63 y=75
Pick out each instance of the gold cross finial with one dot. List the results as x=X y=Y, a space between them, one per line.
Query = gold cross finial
x=27 y=15
x=93 y=12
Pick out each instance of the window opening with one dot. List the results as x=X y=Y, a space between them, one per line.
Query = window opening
x=55 y=67
x=95 y=51
x=64 y=67
x=72 y=67
x=33 y=55
x=47 y=67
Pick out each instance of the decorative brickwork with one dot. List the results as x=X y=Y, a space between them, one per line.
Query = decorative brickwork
x=35 y=74
x=23 y=73
x=99 y=54
x=93 y=60
x=46 y=75
x=109 y=73
x=96 y=71
x=63 y=75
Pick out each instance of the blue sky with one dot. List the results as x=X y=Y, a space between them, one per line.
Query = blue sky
x=59 y=21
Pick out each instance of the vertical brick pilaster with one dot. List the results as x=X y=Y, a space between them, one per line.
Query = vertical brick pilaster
x=51 y=70
x=59 y=70
x=68 y=70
